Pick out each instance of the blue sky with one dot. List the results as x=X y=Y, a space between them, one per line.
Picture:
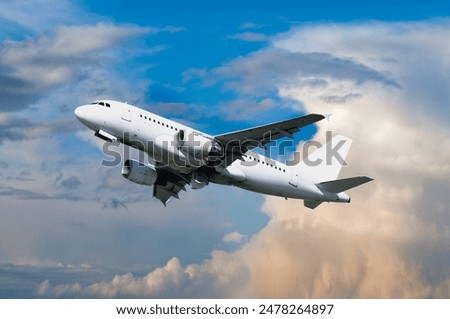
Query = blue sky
x=70 y=225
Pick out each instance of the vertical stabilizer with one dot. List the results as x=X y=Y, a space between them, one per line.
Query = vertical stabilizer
x=326 y=162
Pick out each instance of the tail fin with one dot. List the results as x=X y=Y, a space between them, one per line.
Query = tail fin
x=326 y=162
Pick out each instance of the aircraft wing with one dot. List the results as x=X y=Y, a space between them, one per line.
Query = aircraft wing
x=168 y=185
x=243 y=140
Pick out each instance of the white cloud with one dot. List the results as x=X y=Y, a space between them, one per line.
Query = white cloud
x=47 y=61
x=40 y=15
x=163 y=282
x=31 y=67
x=392 y=143
x=250 y=37
x=233 y=237
x=252 y=25
x=95 y=37
x=408 y=52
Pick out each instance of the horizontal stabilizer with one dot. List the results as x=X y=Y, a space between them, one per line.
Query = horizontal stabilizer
x=312 y=203
x=341 y=185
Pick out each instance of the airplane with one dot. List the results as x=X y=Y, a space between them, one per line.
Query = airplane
x=183 y=155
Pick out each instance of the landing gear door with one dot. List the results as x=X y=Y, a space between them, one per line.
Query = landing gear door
x=294 y=177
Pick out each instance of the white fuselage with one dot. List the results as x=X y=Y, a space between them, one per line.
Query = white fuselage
x=155 y=135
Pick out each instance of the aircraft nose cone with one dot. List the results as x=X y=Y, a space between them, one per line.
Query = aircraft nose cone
x=80 y=113
x=77 y=112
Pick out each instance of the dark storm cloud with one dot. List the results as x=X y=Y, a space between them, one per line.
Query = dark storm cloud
x=24 y=194
x=341 y=99
x=266 y=69
x=114 y=203
x=14 y=128
x=15 y=93
x=257 y=77
x=71 y=183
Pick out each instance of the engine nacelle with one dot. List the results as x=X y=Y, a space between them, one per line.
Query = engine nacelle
x=198 y=180
x=139 y=173
x=196 y=145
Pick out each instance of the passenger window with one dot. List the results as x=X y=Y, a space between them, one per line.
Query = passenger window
x=107 y=105
x=101 y=103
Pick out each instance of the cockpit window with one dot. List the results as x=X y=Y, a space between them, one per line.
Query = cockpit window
x=101 y=103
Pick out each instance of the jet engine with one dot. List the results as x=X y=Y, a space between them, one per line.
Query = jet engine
x=198 y=180
x=196 y=145
x=139 y=173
